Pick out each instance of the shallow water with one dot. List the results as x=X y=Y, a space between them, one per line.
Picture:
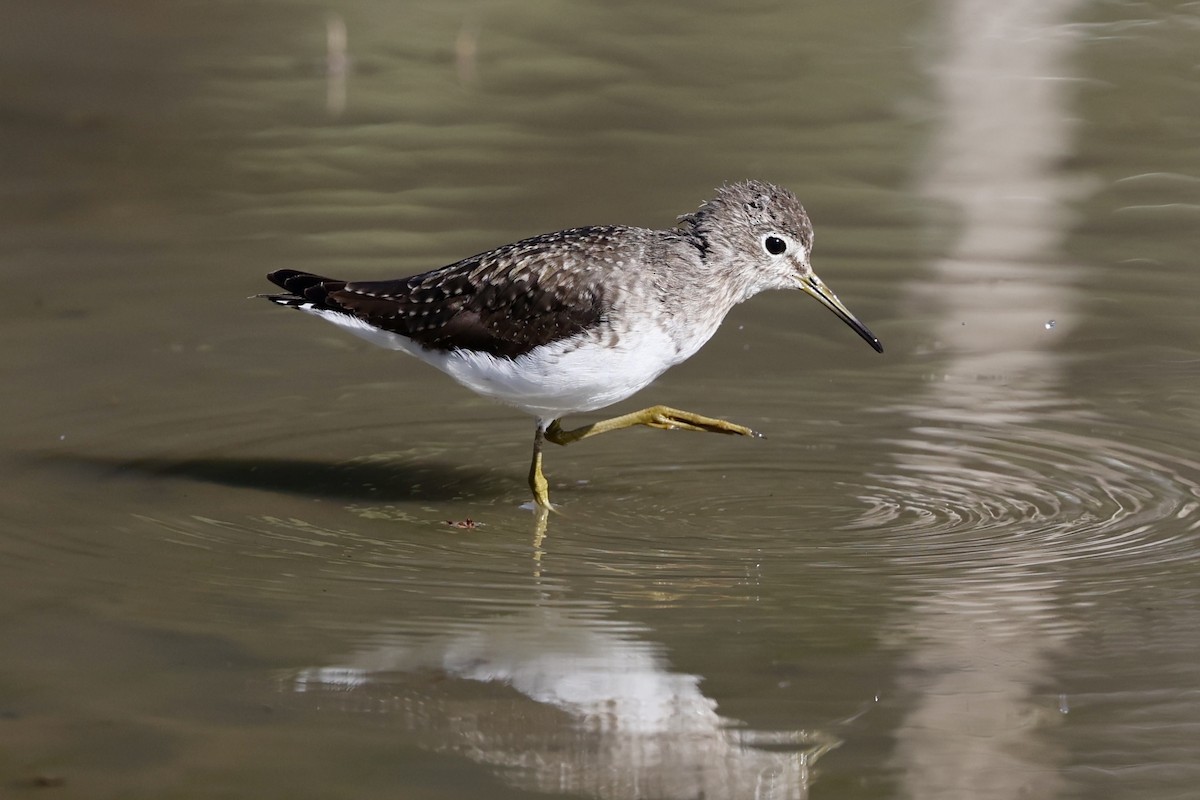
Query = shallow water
x=965 y=568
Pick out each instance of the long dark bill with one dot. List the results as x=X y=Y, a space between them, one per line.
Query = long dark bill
x=817 y=288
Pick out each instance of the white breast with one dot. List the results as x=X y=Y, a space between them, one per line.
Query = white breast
x=576 y=374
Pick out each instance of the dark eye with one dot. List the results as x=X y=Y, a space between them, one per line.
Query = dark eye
x=775 y=246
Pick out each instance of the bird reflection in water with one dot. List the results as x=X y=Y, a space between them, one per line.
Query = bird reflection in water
x=567 y=701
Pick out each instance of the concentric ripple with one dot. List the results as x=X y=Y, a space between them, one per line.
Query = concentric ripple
x=1018 y=496
x=917 y=494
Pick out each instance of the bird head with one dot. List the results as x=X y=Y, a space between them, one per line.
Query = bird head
x=763 y=232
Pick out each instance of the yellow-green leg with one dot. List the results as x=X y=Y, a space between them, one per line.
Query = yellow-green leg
x=662 y=417
x=537 y=481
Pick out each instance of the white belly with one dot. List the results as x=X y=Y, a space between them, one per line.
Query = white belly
x=566 y=377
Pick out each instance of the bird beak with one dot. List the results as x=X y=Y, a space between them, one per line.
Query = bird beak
x=817 y=288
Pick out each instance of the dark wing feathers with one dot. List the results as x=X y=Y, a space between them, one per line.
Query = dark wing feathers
x=504 y=302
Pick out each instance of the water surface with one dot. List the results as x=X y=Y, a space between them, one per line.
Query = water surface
x=963 y=569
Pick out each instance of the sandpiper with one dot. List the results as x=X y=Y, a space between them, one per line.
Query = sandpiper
x=579 y=319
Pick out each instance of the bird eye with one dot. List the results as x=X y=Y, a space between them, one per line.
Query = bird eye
x=774 y=245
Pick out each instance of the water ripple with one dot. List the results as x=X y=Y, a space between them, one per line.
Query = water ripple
x=945 y=497
x=1019 y=496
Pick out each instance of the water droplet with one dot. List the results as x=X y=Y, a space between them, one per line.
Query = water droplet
x=1050 y=324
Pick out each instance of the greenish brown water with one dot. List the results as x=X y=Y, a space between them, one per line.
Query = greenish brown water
x=966 y=568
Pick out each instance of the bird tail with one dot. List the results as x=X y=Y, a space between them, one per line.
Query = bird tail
x=302 y=289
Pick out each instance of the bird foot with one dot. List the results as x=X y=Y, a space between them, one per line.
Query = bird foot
x=661 y=417
x=666 y=418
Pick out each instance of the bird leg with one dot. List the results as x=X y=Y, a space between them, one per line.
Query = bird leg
x=662 y=417
x=537 y=481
